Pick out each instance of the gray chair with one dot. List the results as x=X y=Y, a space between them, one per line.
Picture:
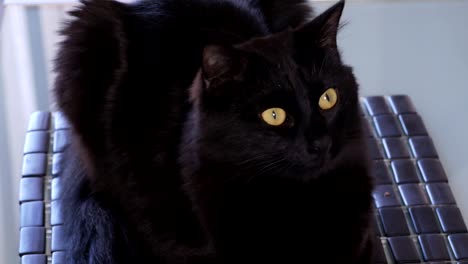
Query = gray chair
x=416 y=216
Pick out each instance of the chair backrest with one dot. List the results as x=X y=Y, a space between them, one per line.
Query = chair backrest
x=41 y=219
x=416 y=215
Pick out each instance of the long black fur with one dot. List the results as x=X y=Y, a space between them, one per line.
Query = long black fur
x=169 y=157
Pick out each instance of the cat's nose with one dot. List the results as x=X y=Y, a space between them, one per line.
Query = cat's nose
x=319 y=147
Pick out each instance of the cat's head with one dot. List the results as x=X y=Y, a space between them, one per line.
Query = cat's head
x=282 y=104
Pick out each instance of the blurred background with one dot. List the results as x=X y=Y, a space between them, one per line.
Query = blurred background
x=414 y=47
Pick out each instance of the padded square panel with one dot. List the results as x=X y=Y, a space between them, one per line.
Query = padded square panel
x=432 y=170
x=58 y=257
x=56 y=217
x=412 y=125
x=381 y=173
x=403 y=249
x=31 y=189
x=404 y=171
x=424 y=220
x=376 y=105
x=394 y=222
x=440 y=193
x=57 y=163
x=451 y=219
x=413 y=194
x=433 y=247
x=422 y=147
x=61 y=140
x=39 y=121
x=385 y=196
x=34 y=259
x=459 y=243
x=36 y=142
x=401 y=104
x=375 y=150
x=395 y=148
x=386 y=126
x=32 y=240
x=56 y=188
x=32 y=214
x=58 y=244
x=34 y=164
x=60 y=122
x=376 y=226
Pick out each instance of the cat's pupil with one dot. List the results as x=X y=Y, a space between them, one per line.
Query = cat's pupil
x=327 y=97
x=273 y=114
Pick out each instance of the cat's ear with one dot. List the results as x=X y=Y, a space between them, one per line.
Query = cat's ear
x=222 y=64
x=321 y=31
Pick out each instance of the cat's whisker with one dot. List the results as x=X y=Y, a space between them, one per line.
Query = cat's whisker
x=255 y=158
x=262 y=164
x=268 y=168
x=257 y=161
x=256 y=164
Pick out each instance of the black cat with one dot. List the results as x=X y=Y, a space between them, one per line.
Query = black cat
x=211 y=132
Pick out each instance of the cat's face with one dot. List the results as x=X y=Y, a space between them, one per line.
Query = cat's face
x=284 y=104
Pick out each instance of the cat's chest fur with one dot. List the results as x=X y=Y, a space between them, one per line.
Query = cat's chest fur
x=287 y=221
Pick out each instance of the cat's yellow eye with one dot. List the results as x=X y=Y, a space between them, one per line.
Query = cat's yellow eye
x=328 y=99
x=274 y=116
